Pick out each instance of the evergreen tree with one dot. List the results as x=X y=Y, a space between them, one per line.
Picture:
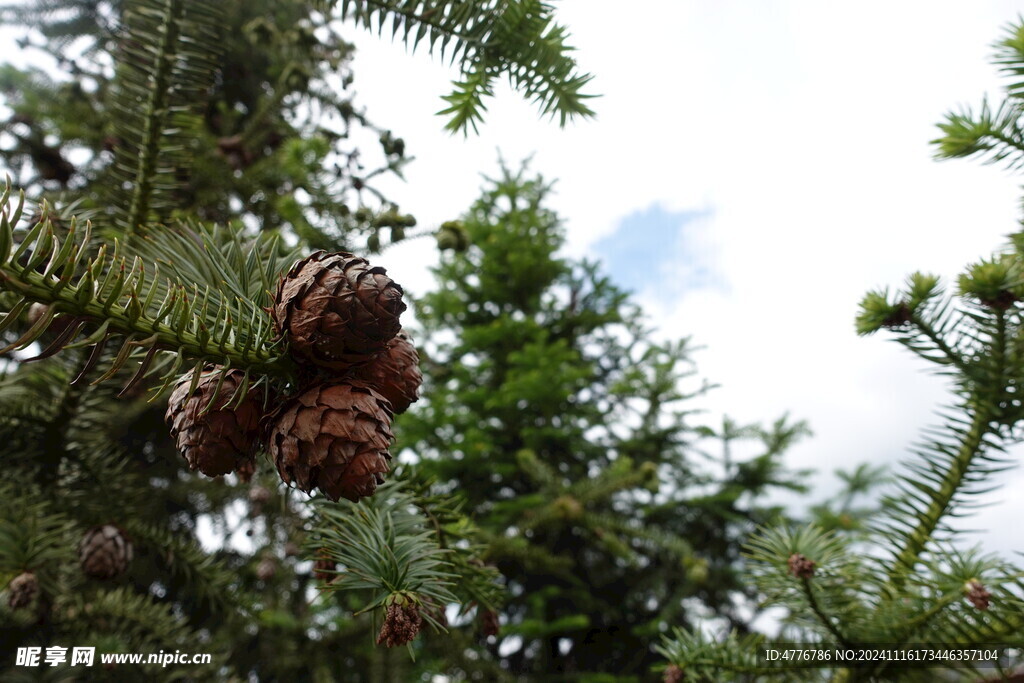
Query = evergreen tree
x=200 y=138
x=566 y=430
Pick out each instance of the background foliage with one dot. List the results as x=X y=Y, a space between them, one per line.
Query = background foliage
x=185 y=154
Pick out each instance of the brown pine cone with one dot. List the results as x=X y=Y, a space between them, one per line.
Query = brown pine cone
x=245 y=470
x=104 y=552
x=259 y=495
x=335 y=437
x=395 y=373
x=489 y=623
x=401 y=624
x=336 y=311
x=673 y=674
x=222 y=439
x=800 y=566
x=22 y=590
x=266 y=569
x=324 y=568
x=977 y=594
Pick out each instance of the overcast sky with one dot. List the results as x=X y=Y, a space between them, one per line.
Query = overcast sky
x=754 y=168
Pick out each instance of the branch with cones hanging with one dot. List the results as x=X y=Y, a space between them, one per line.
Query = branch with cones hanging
x=314 y=378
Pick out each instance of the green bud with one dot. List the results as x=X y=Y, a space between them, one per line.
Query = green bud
x=876 y=312
x=650 y=474
x=566 y=507
x=526 y=458
x=696 y=569
x=921 y=288
x=298 y=79
x=452 y=235
x=447 y=240
x=134 y=308
x=996 y=283
x=397 y=233
x=373 y=242
x=387 y=219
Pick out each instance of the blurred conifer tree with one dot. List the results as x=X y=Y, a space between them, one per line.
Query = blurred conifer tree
x=567 y=430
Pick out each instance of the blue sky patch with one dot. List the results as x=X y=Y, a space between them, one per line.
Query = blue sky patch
x=654 y=247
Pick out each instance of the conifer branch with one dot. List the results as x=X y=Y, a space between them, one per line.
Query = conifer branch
x=826 y=620
x=154 y=112
x=219 y=317
x=168 y=58
x=514 y=37
x=939 y=503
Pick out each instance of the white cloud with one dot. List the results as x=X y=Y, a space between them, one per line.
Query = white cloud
x=806 y=126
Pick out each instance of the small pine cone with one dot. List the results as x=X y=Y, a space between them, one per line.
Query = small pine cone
x=800 y=566
x=402 y=623
x=22 y=590
x=104 y=552
x=899 y=318
x=336 y=311
x=266 y=569
x=673 y=674
x=335 y=437
x=259 y=495
x=222 y=439
x=245 y=470
x=324 y=568
x=489 y=623
x=395 y=373
x=977 y=594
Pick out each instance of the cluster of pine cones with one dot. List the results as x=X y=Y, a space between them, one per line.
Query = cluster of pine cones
x=340 y=317
x=104 y=553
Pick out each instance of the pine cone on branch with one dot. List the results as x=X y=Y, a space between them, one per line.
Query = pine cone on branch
x=395 y=373
x=104 y=552
x=324 y=568
x=977 y=594
x=22 y=590
x=222 y=439
x=489 y=623
x=266 y=569
x=336 y=310
x=245 y=470
x=402 y=623
x=335 y=437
